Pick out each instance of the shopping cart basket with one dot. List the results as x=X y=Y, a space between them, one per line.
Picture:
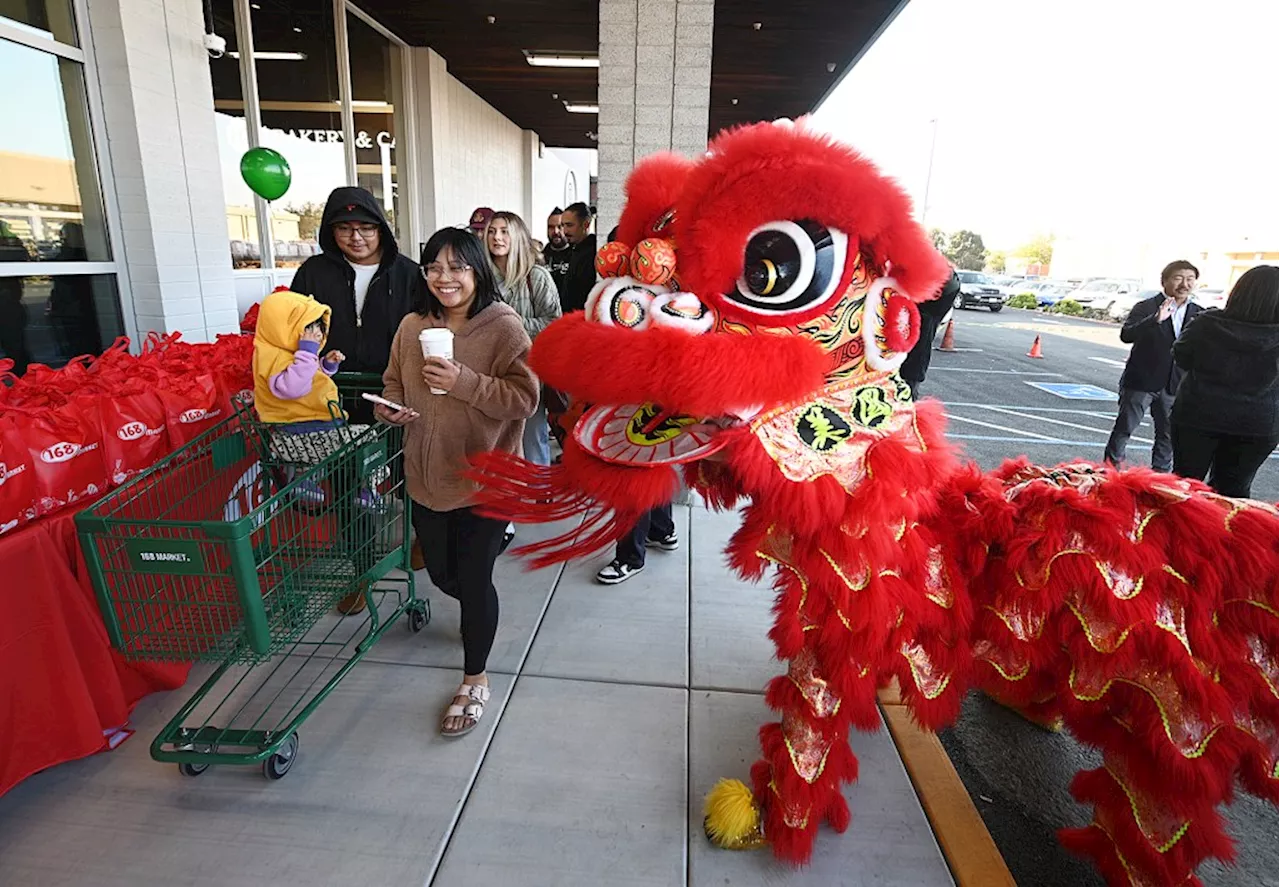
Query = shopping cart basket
x=215 y=555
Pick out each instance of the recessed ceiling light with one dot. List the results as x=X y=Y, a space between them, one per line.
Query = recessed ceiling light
x=297 y=30
x=581 y=108
x=561 y=59
x=733 y=101
x=756 y=25
x=262 y=56
x=491 y=19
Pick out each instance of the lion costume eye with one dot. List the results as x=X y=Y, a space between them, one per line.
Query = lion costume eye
x=790 y=266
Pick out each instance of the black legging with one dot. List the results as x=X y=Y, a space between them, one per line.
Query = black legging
x=459 y=548
x=1230 y=460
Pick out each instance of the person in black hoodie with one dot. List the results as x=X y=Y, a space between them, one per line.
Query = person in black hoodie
x=1226 y=418
x=916 y=366
x=369 y=287
x=581 y=277
x=362 y=277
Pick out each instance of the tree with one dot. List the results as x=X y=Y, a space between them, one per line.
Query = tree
x=939 y=239
x=309 y=216
x=996 y=261
x=966 y=252
x=1038 y=252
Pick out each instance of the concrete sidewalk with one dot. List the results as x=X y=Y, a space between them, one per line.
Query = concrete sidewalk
x=614 y=710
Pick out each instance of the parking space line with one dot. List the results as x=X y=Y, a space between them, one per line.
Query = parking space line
x=1030 y=434
x=1015 y=406
x=937 y=369
x=1109 y=362
x=1047 y=441
x=1051 y=421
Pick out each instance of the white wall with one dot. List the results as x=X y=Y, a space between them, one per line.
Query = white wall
x=550 y=174
x=484 y=161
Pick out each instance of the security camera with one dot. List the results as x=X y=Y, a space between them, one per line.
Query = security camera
x=216 y=46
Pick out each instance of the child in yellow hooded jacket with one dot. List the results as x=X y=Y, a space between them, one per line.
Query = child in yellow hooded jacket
x=292 y=388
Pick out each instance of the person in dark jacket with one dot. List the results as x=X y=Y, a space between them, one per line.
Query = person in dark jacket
x=1226 y=418
x=916 y=366
x=1150 y=378
x=369 y=288
x=362 y=277
x=581 y=278
x=558 y=251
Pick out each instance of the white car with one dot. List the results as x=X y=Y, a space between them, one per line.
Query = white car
x=1102 y=294
x=1210 y=298
x=1120 y=308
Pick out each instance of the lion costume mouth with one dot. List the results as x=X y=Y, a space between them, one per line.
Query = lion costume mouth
x=640 y=434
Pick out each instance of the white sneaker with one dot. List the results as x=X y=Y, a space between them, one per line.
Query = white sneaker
x=617 y=572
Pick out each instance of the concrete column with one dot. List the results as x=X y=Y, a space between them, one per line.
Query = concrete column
x=655 y=88
x=531 y=150
x=431 y=111
x=163 y=148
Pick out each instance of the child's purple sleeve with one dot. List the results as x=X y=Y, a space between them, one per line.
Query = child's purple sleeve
x=295 y=381
x=329 y=367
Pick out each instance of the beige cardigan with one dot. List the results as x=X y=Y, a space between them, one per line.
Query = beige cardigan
x=495 y=392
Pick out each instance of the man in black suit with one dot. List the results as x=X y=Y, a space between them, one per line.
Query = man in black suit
x=1150 y=377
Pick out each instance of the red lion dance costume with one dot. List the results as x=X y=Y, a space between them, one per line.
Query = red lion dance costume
x=746 y=332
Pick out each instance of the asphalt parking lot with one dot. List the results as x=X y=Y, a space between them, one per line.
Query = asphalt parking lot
x=1018 y=774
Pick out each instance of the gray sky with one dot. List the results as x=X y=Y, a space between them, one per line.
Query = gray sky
x=1132 y=119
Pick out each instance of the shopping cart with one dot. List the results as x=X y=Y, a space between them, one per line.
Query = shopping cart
x=216 y=555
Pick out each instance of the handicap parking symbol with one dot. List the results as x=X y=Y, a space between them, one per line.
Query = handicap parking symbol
x=1072 y=391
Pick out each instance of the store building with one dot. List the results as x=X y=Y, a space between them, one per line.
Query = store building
x=122 y=210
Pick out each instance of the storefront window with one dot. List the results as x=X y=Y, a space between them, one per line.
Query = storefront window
x=44 y=18
x=301 y=118
x=50 y=201
x=300 y=105
x=375 y=98
x=52 y=319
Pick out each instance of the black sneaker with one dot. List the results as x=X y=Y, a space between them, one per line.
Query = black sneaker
x=617 y=572
x=667 y=543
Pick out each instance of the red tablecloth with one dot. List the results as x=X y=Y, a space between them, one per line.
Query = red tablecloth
x=63 y=689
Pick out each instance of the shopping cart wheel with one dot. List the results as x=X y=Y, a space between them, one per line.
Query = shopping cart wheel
x=276 y=766
x=192 y=769
x=417 y=621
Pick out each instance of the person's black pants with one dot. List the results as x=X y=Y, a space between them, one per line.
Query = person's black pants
x=656 y=525
x=459 y=548
x=1230 y=461
x=1133 y=405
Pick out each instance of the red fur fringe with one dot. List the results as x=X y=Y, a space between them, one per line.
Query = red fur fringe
x=700 y=375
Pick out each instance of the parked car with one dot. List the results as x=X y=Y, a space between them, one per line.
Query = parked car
x=978 y=290
x=1101 y=294
x=1210 y=298
x=1047 y=292
x=1123 y=304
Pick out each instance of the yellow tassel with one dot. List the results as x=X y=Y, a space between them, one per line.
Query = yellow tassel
x=731 y=818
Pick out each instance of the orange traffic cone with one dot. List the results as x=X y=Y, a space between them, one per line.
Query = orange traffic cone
x=1035 y=350
x=949 y=337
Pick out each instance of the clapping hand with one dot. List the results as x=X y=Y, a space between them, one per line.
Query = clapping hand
x=335 y=356
x=440 y=373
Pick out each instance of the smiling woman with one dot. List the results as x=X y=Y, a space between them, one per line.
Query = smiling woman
x=476 y=402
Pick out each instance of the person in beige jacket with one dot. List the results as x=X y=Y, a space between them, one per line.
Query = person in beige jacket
x=489 y=393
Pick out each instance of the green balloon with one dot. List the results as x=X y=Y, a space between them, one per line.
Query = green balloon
x=266 y=172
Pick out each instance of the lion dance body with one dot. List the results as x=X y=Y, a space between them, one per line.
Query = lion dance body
x=746 y=332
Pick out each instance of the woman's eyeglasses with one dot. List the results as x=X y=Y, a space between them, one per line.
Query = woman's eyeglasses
x=435 y=272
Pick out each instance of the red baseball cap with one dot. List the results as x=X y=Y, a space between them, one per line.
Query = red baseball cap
x=480 y=218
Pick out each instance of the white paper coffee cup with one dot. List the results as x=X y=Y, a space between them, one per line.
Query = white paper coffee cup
x=436 y=342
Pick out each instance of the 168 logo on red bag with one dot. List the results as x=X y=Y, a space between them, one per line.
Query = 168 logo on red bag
x=64 y=451
x=190 y=417
x=132 y=431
